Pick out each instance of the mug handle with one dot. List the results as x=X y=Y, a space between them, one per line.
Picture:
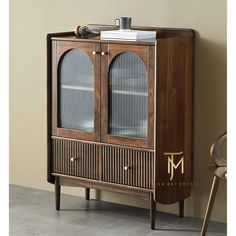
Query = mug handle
x=117 y=22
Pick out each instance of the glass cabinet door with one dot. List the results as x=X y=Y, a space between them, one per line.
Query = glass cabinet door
x=76 y=91
x=128 y=96
x=128 y=87
x=75 y=83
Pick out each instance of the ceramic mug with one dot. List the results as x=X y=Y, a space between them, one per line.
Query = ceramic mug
x=123 y=22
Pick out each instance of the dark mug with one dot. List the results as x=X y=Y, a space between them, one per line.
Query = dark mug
x=124 y=23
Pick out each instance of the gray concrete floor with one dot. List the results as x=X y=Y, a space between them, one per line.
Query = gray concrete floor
x=32 y=213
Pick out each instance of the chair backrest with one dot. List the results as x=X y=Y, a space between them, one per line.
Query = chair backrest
x=215 y=151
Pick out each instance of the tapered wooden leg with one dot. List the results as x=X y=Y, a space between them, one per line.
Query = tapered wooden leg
x=57 y=193
x=214 y=187
x=87 y=193
x=97 y=194
x=152 y=211
x=181 y=209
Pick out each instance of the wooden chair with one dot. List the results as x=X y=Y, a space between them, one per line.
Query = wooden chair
x=220 y=172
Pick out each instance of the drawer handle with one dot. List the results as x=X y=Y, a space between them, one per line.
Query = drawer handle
x=72 y=159
x=126 y=168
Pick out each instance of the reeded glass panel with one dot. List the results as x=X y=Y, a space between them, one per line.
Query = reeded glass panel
x=76 y=92
x=128 y=96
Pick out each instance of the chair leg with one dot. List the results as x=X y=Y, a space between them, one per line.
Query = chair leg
x=181 y=209
x=87 y=193
x=214 y=187
x=152 y=211
x=57 y=193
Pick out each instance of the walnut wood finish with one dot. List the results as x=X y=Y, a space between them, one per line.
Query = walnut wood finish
x=152 y=211
x=161 y=33
x=118 y=165
x=181 y=209
x=219 y=171
x=214 y=187
x=75 y=158
x=87 y=193
x=127 y=167
x=57 y=193
x=101 y=156
x=67 y=180
x=102 y=144
x=174 y=115
x=50 y=178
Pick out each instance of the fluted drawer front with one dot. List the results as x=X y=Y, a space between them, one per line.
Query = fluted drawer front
x=75 y=158
x=127 y=167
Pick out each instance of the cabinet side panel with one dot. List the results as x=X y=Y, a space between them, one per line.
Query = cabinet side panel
x=174 y=107
x=50 y=178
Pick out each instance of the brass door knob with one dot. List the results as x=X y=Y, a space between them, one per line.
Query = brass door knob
x=104 y=53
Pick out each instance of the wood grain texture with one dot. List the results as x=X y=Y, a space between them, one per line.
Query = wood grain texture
x=214 y=188
x=118 y=165
x=75 y=158
x=181 y=209
x=50 y=50
x=170 y=120
x=50 y=178
x=67 y=180
x=161 y=33
x=57 y=193
x=102 y=144
x=174 y=114
x=152 y=211
x=87 y=194
x=127 y=167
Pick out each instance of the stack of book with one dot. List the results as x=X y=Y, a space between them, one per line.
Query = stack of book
x=128 y=35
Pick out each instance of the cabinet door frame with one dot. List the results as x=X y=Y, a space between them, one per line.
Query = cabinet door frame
x=59 y=48
x=147 y=55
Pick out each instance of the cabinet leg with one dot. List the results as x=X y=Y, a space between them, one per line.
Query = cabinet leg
x=57 y=193
x=210 y=203
x=152 y=211
x=181 y=209
x=87 y=193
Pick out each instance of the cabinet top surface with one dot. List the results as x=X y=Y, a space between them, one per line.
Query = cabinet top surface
x=97 y=39
x=161 y=33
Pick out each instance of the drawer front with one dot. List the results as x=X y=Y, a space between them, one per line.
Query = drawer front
x=127 y=167
x=75 y=158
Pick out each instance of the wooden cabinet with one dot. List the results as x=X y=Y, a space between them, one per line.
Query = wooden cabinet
x=120 y=115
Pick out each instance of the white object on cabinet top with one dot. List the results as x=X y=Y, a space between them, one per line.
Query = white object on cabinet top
x=128 y=34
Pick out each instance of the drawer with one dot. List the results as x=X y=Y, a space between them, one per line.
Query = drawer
x=127 y=167
x=75 y=158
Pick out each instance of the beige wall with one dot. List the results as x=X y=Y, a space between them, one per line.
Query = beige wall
x=31 y=20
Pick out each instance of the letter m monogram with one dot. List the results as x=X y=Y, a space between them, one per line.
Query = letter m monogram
x=171 y=164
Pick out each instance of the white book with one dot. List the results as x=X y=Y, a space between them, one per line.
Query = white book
x=128 y=34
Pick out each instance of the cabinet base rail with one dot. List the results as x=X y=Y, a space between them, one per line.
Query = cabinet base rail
x=59 y=181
